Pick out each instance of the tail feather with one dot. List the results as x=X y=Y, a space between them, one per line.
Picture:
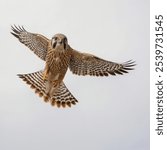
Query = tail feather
x=61 y=97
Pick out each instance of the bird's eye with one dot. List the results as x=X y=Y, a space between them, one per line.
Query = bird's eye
x=55 y=38
x=65 y=40
x=54 y=44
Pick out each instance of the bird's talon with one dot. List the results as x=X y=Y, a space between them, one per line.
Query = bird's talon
x=55 y=83
x=45 y=76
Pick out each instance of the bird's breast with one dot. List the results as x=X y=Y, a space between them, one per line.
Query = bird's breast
x=57 y=61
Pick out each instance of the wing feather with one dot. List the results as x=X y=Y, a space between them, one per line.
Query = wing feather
x=35 y=42
x=87 y=64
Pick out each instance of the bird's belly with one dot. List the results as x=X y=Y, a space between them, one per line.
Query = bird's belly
x=57 y=71
x=55 y=77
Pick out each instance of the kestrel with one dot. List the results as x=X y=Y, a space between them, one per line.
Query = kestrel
x=58 y=57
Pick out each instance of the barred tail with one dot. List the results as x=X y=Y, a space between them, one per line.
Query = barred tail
x=61 y=97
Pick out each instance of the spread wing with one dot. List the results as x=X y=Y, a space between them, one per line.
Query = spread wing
x=87 y=64
x=35 y=42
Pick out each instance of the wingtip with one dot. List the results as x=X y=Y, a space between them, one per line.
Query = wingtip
x=129 y=65
x=14 y=34
x=17 y=29
x=130 y=62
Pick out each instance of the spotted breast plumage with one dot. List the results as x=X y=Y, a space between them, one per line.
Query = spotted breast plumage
x=58 y=57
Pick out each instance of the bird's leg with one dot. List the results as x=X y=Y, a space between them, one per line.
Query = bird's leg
x=55 y=83
x=45 y=73
x=57 y=79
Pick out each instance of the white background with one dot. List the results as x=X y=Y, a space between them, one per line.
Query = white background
x=113 y=112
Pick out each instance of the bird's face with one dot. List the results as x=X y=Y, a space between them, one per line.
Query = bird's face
x=59 y=41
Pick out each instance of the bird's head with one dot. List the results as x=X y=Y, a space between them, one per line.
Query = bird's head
x=59 y=41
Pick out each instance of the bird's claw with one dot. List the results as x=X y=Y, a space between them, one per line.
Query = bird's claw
x=45 y=76
x=55 y=83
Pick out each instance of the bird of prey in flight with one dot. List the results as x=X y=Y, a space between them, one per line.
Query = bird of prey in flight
x=59 y=56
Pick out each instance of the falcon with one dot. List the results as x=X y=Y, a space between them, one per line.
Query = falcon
x=59 y=56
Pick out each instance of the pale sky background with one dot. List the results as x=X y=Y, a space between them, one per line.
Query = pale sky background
x=113 y=112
